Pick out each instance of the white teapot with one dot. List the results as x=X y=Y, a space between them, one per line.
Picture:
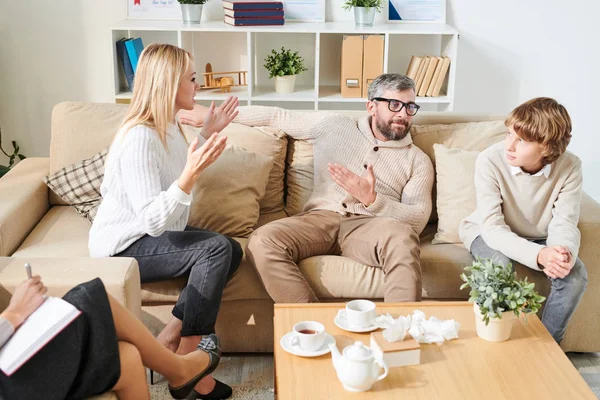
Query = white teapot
x=357 y=368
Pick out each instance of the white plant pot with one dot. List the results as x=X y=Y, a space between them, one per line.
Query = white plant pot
x=191 y=13
x=285 y=84
x=364 y=16
x=498 y=329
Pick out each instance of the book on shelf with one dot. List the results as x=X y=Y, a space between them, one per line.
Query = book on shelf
x=125 y=62
x=413 y=67
x=428 y=75
x=436 y=75
x=254 y=21
x=441 y=77
x=134 y=49
x=252 y=13
x=54 y=315
x=252 y=5
x=421 y=74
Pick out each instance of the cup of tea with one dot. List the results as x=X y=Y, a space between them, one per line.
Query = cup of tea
x=359 y=313
x=309 y=335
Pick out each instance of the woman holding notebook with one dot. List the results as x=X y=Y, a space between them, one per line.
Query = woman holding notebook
x=105 y=348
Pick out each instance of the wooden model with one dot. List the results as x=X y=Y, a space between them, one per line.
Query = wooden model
x=222 y=82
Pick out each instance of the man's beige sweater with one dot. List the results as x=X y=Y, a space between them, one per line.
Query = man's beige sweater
x=404 y=174
x=513 y=209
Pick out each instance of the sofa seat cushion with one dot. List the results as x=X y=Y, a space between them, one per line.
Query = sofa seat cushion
x=341 y=277
x=60 y=233
x=244 y=285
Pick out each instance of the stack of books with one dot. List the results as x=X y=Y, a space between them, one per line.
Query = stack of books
x=429 y=74
x=128 y=51
x=253 y=12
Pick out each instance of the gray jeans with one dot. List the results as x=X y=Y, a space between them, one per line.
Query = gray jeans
x=209 y=259
x=565 y=293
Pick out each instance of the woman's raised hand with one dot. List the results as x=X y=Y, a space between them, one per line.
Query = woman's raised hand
x=210 y=118
x=26 y=299
x=199 y=158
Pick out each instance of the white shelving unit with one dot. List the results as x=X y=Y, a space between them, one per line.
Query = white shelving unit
x=230 y=48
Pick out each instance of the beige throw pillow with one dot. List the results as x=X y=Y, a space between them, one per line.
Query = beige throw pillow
x=264 y=140
x=473 y=136
x=226 y=196
x=456 y=198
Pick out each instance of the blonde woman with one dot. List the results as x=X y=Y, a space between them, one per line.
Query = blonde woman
x=146 y=194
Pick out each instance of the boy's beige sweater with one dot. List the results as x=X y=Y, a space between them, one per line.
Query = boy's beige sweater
x=513 y=209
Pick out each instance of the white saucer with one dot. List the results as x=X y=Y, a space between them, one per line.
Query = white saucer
x=286 y=344
x=342 y=323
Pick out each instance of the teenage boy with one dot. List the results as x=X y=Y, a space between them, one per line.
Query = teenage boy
x=528 y=196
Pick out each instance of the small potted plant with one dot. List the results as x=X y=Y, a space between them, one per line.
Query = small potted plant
x=499 y=298
x=364 y=10
x=284 y=66
x=191 y=10
x=12 y=158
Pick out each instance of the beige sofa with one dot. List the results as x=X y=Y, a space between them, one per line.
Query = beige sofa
x=33 y=223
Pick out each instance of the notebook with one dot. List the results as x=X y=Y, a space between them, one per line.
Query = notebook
x=37 y=330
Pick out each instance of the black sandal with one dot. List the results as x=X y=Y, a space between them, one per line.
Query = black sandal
x=210 y=345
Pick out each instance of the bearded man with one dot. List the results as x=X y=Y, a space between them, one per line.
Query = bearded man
x=371 y=196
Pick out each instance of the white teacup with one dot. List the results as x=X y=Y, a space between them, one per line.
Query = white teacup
x=309 y=335
x=359 y=313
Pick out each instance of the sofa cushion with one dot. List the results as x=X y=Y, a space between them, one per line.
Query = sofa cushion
x=474 y=136
x=244 y=285
x=79 y=184
x=80 y=130
x=227 y=194
x=299 y=175
x=61 y=232
x=456 y=197
x=334 y=277
x=265 y=140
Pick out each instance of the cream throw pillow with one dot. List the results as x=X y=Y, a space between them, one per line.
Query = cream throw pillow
x=226 y=196
x=456 y=198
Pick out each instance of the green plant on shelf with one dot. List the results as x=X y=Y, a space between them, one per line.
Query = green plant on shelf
x=284 y=62
x=12 y=158
x=192 y=1
x=377 y=4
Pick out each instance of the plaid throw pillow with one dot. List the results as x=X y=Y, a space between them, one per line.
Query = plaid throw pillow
x=79 y=184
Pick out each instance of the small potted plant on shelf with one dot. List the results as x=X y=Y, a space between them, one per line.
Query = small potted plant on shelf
x=191 y=10
x=284 y=66
x=364 y=10
x=499 y=298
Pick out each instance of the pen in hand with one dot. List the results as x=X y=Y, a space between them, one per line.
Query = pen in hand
x=28 y=269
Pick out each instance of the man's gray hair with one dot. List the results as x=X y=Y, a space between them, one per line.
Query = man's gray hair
x=396 y=82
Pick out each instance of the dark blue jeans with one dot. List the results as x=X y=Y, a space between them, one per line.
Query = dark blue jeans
x=565 y=294
x=209 y=259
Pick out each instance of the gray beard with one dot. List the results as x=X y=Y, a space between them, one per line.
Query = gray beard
x=385 y=128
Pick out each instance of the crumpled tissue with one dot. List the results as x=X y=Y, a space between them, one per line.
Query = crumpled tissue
x=432 y=330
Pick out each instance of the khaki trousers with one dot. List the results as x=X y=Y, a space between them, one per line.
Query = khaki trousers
x=276 y=249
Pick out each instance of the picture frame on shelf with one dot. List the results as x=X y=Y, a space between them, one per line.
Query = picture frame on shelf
x=304 y=10
x=426 y=11
x=154 y=9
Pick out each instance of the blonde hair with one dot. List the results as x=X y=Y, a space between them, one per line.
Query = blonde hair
x=545 y=121
x=157 y=78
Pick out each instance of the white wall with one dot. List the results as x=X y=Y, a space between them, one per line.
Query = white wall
x=509 y=51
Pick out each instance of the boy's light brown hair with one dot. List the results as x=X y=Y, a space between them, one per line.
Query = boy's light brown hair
x=545 y=121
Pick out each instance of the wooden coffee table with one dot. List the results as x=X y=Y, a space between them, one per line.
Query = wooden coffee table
x=528 y=366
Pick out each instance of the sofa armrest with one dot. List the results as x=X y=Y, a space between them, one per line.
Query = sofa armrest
x=23 y=202
x=120 y=276
x=582 y=332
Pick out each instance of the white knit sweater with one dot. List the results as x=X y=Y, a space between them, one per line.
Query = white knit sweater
x=140 y=193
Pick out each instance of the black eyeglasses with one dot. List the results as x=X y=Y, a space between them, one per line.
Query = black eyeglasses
x=397 y=105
